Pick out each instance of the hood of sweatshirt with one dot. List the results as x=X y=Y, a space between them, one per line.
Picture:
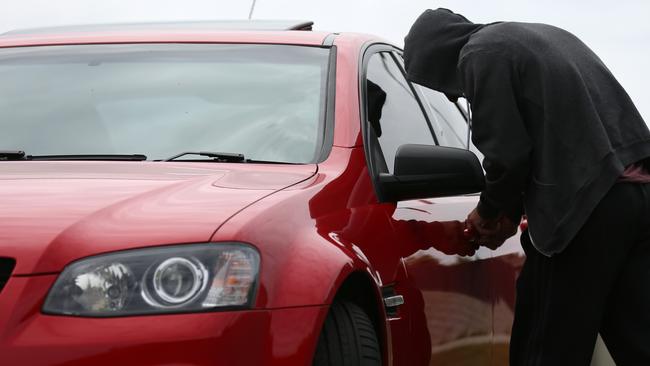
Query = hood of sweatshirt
x=431 y=50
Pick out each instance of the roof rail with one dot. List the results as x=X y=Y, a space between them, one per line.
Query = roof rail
x=225 y=25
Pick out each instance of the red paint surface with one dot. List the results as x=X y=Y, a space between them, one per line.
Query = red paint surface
x=55 y=212
x=255 y=337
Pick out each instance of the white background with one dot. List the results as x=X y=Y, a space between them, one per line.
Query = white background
x=618 y=31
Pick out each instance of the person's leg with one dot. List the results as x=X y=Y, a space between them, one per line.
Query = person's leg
x=626 y=324
x=561 y=299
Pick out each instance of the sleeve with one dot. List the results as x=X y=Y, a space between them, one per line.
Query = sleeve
x=490 y=83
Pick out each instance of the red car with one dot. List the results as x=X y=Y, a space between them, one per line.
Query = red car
x=199 y=194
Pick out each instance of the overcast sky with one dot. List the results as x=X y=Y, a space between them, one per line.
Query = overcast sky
x=618 y=31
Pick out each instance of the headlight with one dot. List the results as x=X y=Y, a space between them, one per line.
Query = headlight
x=180 y=278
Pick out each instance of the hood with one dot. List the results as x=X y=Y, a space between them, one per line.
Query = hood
x=431 y=50
x=52 y=213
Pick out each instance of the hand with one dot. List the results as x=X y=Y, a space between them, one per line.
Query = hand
x=505 y=229
x=480 y=226
x=456 y=242
x=490 y=233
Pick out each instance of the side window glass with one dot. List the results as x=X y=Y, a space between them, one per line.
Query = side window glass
x=464 y=105
x=392 y=110
x=448 y=122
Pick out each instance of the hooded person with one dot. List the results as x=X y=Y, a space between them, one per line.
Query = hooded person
x=562 y=140
x=434 y=64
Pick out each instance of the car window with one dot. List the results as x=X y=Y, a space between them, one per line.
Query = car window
x=448 y=122
x=263 y=101
x=392 y=110
x=464 y=105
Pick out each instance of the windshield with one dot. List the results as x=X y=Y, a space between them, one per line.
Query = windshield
x=263 y=101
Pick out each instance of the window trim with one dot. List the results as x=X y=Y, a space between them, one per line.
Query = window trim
x=324 y=147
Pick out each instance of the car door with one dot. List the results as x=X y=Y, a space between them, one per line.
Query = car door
x=451 y=299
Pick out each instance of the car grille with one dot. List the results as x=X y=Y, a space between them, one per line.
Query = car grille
x=6 y=266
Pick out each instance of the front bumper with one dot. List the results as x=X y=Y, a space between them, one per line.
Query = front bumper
x=285 y=336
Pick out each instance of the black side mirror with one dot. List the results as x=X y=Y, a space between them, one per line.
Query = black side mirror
x=423 y=171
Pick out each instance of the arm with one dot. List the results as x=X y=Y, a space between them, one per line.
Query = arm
x=490 y=82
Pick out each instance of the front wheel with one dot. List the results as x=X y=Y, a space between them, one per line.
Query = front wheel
x=348 y=338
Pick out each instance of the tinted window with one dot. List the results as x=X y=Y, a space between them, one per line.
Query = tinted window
x=392 y=110
x=264 y=101
x=447 y=121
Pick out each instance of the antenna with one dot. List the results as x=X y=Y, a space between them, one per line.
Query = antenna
x=250 y=15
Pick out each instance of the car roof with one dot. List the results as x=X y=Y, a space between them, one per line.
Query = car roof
x=225 y=31
x=208 y=25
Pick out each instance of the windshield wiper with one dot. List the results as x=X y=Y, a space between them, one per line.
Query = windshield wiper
x=12 y=155
x=220 y=157
x=20 y=155
x=112 y=157
x=216 y=156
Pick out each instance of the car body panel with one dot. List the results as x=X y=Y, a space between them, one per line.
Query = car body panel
x=455 y=290
x=153 y=36
x=75 y=209
x=468 y=301
x=505 y=266
x=333 y=239
x=279 y=337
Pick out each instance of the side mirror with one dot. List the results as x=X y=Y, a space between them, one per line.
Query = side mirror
x=423 y=171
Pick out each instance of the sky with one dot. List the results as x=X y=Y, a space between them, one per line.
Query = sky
x=618 y=31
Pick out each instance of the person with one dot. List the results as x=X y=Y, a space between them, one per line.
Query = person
x=564 y=144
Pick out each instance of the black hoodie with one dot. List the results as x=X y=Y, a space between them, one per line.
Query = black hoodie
x=555 y=126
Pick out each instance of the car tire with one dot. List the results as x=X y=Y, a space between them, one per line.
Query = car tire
x=348 y=338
